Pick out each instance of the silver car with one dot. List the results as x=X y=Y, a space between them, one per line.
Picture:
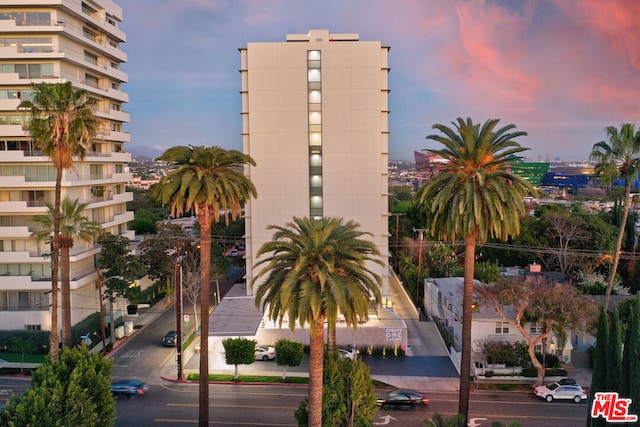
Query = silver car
x=560 y=392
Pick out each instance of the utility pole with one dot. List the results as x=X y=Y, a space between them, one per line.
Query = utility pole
x=179 y=311
x=102 y=330
x=419 y=284
x=397 y=246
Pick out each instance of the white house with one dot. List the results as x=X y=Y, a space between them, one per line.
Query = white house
x=443 y=300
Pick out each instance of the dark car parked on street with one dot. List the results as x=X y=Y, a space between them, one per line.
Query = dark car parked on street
x=128 y=388
x=402 y=398
x=171 y=339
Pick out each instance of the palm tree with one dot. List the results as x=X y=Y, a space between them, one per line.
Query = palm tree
x=62 y=124
x=207 y=181
x=313 y=269
x=72 y=223
x=476 y=197
x=618 y=157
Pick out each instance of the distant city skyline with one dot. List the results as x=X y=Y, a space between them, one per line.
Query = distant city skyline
x=560 y=70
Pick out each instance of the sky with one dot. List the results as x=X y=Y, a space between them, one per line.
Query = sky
x=560 y=70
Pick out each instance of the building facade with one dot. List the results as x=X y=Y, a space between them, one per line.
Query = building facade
x=315 y=119
x=53 y=42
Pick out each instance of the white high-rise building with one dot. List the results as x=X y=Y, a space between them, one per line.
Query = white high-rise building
x=315 y=119
x=58 y=41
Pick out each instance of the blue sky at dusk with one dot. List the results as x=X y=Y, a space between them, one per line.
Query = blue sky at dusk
x=561 y=70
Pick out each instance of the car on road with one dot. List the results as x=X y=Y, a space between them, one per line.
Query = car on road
x=265 y=353
x=348 y=353
x=556 y=391
x=170 y=339
x=402 y=398
x=128 y=388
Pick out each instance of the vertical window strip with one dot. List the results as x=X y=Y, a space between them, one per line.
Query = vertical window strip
x=314 y=117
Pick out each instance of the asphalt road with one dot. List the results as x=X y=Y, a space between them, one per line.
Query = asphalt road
x=273 y=405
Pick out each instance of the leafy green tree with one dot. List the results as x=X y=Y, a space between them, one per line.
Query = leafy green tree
x=144 y=221
x=618 y=156
x=157 y=252
x=313 y=269
x=239 y=351
x=73 y=391
x=348 y=396
x=119 y=269
x=62 y=124
x=614 y=353
x=208 y=182
x=288 y=353
x=442 y=260
x=553 y=305
x=599 y=374
x=73 y=223
x=475 y=197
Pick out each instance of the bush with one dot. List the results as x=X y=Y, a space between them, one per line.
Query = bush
x=445 y=332
x=550 y=360
x=516 y=354
x=39 y=338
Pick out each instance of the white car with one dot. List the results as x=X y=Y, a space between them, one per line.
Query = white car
x=351 y=353
x=265 y=353
x=556 y=391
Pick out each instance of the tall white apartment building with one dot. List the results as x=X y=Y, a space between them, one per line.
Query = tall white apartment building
x=54 y=41
x=315 y=119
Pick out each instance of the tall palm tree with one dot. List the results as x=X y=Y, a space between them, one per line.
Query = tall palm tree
x=618 y=156
x=207 y=181
x=313 y=269
x=72 y=223
x=62 y=124
x=475 y=197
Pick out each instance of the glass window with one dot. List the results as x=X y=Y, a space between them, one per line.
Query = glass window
x=502 y=327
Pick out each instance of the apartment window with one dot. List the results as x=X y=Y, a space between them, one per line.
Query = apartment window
x=115 y=86
x=111 y=20
x=535 y=328
x=116 y=127
x=115 y=65
x=119 y=168
x=502 y=327
x=27 y=18
x=28 y=44
x=23 y=301
x=96 y=171
x=113 y=43
x=28 y=71
x=90 y=80
x=33 y=327
x=115 y=107
x=91 y=58
x=88 y=34
x=11 y=119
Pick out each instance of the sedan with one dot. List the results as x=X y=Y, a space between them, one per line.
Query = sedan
x=128 y=388
x=351 y=354
x=561 y=392
x=171 y=339
x=265 y=353
x=402 y=398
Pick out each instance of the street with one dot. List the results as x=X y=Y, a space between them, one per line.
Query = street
x=274 y=405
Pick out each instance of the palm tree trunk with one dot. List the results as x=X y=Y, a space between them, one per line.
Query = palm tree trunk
x=65 y=288
x=331 y=338
x=467 y=313
x=616 y=255
x=54 y=337
x=204 y=218
x=316 y=358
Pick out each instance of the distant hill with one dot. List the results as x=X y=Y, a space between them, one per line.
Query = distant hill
x=141 y=151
